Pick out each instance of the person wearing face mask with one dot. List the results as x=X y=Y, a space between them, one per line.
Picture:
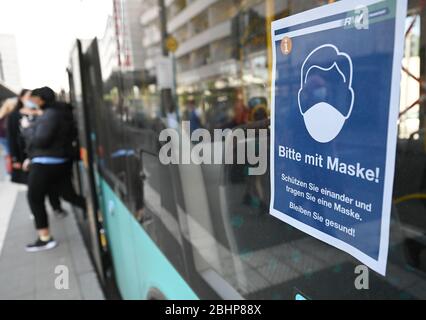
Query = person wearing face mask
x=23 y=115
x=50 y=151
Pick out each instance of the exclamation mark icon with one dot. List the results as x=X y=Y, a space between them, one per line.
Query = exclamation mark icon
x=286 y=46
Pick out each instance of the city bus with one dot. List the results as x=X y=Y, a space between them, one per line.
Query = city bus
x=204 y=231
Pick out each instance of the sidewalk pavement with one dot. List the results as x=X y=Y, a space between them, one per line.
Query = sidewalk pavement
x=32 y=276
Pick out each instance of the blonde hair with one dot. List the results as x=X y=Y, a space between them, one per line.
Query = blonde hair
x=8 y=107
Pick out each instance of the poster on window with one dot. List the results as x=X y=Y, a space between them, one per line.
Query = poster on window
x=335 y=106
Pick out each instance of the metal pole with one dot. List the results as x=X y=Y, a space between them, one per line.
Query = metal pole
x=163 y=26
x=167 y=98
x=270 y=9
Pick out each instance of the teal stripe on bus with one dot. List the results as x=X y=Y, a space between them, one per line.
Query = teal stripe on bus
x=139 y=264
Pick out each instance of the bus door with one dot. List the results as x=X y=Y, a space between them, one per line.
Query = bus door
x=86 y=74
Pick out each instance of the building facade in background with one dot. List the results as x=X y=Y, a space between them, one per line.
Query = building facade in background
x=108 y=49
x=9 y=66
x=121 y=45
x=151 y=34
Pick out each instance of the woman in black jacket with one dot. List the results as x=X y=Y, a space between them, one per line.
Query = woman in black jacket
x=24 y=110
x=50 y=149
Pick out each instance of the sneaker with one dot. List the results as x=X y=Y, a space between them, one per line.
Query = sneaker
x=40 y=245
x=61 y=213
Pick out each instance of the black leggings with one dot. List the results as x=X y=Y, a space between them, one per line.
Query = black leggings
x=44 y=178
x=54 y=200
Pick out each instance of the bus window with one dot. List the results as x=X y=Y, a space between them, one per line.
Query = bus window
x=259 y=256
x=212 y=222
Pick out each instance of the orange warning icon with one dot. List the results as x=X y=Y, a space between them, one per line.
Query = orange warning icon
x=286 y=46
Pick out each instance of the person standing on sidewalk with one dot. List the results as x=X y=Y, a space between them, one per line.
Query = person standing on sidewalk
x=5 y=111
x=50 y=149
x=22 y=117
x=16 y=140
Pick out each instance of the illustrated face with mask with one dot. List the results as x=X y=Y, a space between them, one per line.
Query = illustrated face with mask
x=326 y=96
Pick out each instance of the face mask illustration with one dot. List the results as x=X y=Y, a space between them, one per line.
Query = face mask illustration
x=326 y=104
